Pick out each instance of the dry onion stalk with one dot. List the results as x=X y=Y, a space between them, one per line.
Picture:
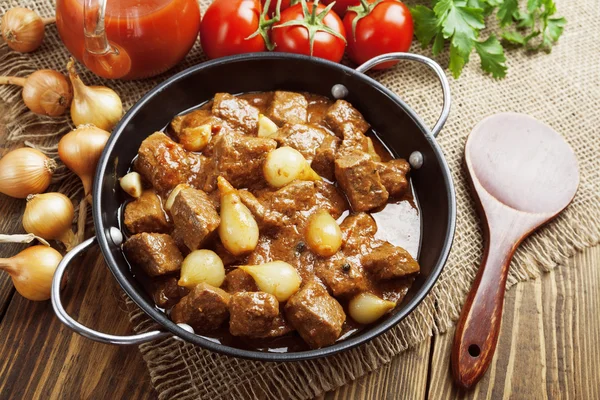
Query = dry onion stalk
x=45 y=92
x=32 y=271
x=25 y=171
x=97 y=105
x=23 y=29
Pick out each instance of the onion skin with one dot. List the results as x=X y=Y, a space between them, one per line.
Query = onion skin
x=23 y=29
x=50 y=216
x=25 y=171
x=32 y=271
x=47 y=92
x=80 y=151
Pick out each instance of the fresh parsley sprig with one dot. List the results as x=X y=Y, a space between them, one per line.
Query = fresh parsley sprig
x=460 y=22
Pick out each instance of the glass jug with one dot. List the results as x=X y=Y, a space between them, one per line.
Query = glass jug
x=128 y=39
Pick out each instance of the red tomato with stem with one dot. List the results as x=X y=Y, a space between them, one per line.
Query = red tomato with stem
x=234 y=27
x=284 y=4
x=311 y=30
x=341 y=6
x=377 y=27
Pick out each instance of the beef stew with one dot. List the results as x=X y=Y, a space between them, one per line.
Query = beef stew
x=347 y=174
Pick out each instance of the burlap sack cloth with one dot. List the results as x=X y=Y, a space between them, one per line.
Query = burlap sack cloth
x=562 y=89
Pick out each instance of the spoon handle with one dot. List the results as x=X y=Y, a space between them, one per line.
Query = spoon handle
x=479 y=324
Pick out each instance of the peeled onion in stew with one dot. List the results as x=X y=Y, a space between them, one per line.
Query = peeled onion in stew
x=202 y=266
x=238 y=230
x=367 y=308
x=284 y=165
x=323 y=234
x=277 y=278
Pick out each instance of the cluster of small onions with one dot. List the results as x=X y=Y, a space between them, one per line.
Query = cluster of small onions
x=27 y=173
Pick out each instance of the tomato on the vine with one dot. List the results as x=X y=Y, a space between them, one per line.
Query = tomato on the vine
x=377 y=27
x=284 y=4
x=341 y=6
x=312 y=30
x=234 y=27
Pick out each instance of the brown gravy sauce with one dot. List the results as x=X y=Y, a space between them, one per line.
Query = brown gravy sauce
x=399 y=223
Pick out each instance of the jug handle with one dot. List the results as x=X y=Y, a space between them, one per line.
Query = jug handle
x=102 y=57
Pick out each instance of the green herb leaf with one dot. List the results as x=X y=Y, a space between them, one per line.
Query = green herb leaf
x=492 y=57
x=513 y=37
x=506 y=11
x=427 y=25
x=554 y=29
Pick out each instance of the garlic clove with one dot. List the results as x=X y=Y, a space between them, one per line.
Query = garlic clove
x=367 y=308
x=202 y=266
x=277 y=278
x=266 y=127
x=238 y=229
x=25 y=171
x=197 y=138
x=132 y=184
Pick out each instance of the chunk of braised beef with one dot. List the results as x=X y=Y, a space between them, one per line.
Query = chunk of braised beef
x=196 y=119
x=288 y=108
x=238 y=159
x=195 y=217
x=357 y=175
x=342 y=275
x=266 y=218
x=238 y=113
x=393 y=176
x=387 y=261
x=205 y=308
x=166 y=292
x=155 y=253
x=304 y=138
x=165 y=164
x=145 y=214
x=252 y=314
x=316 y=315
x=300 y=199
x=324 y=160
x=343 y=116
x=356 y=229
x=238 y=280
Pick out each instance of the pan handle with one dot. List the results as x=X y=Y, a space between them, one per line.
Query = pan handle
x=431 y=64
x=66 y=319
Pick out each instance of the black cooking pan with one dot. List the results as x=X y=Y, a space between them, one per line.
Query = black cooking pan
x=398 y=126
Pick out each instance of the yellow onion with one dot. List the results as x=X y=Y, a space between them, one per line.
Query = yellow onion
x=96 y=105
x=277 y=278
x=45 y=92
x=50 y=216
x=23 y=29
x=80 y=151
x=25 y=171
x=323 y=234
x=32 y=270
x=284 y=165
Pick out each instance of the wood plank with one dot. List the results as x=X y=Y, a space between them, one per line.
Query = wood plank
x=549 y=344
x=40 y=358
x=405 y=376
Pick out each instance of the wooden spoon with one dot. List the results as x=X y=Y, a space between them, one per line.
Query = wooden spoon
x=523 y=174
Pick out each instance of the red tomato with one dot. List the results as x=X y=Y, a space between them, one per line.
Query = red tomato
x=341 y=6
x=284 y=4
x=294 y=38
x=386 y=27
x=227 y=26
